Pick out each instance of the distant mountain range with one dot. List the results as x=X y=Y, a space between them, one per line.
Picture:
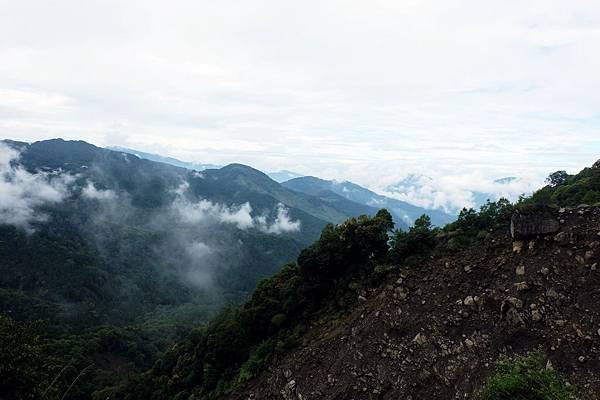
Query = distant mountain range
x=333 y=191
x=346 y=197
x=283 y=175
x=165 y=160
x=277 y=176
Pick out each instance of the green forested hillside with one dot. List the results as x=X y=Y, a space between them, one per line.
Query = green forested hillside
x=571 y=190
x=327 y=279
x=97 y=285
x=134 y=253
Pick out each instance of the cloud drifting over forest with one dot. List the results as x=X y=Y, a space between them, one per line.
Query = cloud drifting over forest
x=22 y=192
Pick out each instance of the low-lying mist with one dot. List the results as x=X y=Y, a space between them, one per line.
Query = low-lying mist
x=171 y=253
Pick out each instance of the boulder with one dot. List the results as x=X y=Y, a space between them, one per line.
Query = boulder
x=524 y=226
x=420 y=339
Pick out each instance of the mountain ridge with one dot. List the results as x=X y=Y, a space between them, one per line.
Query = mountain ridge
x=405 y=214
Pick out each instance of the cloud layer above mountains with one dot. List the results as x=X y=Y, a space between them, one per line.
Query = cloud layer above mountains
x=363 y=91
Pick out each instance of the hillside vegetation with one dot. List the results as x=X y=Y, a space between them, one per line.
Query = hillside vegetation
x=109 y=258
x=361 y=300
x=311 y=317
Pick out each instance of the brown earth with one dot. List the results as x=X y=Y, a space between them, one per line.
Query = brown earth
x=435 y=331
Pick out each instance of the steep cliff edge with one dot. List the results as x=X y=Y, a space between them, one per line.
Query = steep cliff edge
x=435 y=330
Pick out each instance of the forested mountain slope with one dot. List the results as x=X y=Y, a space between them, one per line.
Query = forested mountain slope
x=116 y=255
x=430 y=317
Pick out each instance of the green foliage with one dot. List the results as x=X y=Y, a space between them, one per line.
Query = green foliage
x=526 y=378
x=418 y=241
x=236 y=345
x=569 y=190
x=347 y=248
x=23 y=368
x=472 y=226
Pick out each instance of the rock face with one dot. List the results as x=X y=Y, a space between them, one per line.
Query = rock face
x=524 y=226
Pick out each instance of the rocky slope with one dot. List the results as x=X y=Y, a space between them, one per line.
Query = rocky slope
x=436 y=330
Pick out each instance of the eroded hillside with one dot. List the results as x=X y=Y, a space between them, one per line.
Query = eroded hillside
x=435 y=330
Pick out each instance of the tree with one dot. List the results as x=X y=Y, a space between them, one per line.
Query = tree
x=418 y=241
x=347 y=248
x=22 y=363
x=557 y=178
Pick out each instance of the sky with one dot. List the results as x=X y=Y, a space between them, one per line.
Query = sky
x=458 y=92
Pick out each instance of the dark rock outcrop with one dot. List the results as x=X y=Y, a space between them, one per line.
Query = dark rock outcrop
x=524 y=226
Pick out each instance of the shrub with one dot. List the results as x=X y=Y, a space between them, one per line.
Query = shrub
x=526 y=378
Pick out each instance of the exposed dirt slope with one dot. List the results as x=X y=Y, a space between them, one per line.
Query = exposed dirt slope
x=436 y=331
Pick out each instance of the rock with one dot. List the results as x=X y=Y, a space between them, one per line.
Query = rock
x=561 y=238
x=589 y=255
x=536 y=316
x=508 y=311
x=420 y=339
x=514 y=318
x=362 y=298
x=580 y=259
x=518 y=246
x=552 y=294
x=515 y=302
x=521 y=286
x=399 y=293
x=469 y=301
x=544 y=271
x=469 y=343
x=524 y=226
x=290 y=392
x=520 y=270
x=287 y=374
x=549 y=365
x=467 y=268
x=581 y=359
x=596 y=164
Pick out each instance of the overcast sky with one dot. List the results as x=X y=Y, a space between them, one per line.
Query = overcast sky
x=369 y=91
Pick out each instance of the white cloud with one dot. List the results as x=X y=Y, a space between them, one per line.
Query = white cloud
x=453 y=192
x=363 y=91
x=198 y=250
x=22 y=192
x=207 y=212
x=90 y=192
x=282 y=223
